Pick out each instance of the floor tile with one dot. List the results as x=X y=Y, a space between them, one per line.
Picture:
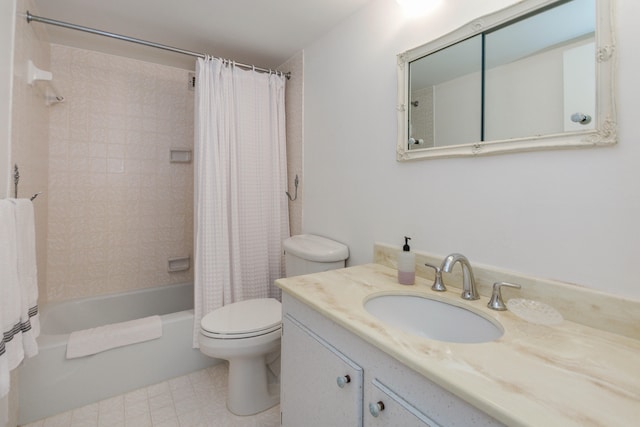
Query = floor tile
x=193 y=400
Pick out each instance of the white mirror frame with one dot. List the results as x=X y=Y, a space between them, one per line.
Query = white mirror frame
x=604 y=132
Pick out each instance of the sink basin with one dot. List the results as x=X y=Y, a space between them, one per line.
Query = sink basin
x=433 y=319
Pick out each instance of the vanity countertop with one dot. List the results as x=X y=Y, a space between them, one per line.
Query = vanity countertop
x=534 y=375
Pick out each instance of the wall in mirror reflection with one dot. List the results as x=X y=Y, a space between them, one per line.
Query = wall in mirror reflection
x=538 y=72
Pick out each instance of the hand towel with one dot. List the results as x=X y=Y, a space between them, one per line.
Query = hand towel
x=11 y=349
x=96 y=340
x=27 y=275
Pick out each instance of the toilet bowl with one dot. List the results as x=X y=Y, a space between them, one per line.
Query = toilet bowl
x=244 y=333
x=247 y=333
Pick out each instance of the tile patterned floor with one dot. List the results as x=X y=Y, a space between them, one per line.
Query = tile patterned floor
x=194 y=400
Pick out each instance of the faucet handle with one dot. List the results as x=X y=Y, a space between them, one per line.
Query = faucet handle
x=496 y=303
x=437 y=286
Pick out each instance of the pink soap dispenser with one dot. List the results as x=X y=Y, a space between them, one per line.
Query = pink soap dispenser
x=406 y=264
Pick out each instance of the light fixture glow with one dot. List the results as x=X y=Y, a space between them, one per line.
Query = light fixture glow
x=415 y=8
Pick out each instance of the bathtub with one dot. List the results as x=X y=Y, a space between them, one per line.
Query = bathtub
x=50 y=383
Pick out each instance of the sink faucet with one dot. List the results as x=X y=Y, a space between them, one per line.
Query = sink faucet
x=469 y=290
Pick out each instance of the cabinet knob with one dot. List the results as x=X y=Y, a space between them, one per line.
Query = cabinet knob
x=376 y=408
x=343 y=381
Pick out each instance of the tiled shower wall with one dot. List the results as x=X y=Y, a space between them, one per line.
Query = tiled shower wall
x=295 y=115
x=29 y=127
x=118 y=209
x=422 y=116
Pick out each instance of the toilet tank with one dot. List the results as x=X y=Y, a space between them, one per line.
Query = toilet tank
x=307 y=253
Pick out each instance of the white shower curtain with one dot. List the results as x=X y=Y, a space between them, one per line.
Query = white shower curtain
x=241 y=210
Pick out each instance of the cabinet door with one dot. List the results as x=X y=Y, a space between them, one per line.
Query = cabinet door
x=320 y=386
x=387 y=408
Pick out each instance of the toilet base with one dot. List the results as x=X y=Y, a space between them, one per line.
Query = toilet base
x=248 y=388
x=248 y=385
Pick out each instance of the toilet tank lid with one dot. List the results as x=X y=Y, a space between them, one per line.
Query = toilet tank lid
x=316 y=248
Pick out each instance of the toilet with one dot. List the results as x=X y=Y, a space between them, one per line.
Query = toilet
x=247 y=333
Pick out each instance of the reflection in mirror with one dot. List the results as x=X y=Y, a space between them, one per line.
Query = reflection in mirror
x=536 y=75
x=539 y=72
x=445 y=91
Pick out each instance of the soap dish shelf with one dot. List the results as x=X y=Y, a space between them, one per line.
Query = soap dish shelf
x=51 y=93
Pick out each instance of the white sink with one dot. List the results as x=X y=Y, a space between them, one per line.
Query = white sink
x=433 y=319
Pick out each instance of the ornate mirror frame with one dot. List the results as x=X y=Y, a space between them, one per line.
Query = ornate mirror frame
x=604 y=132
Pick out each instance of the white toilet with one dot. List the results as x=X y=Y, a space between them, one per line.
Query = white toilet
x=246 y=332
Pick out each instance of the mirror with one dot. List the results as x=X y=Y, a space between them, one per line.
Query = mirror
x=537 y=75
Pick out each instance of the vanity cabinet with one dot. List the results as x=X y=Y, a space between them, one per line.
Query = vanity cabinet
x=320 y=386
x=331 y=377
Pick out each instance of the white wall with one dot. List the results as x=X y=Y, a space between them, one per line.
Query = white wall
x=579 y=73
x=569 y=215
x=458 y=110
x=525 y=97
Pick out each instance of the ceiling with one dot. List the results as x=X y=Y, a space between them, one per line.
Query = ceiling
x=264 y=33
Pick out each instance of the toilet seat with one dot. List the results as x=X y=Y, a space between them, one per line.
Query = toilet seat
x=244 y=319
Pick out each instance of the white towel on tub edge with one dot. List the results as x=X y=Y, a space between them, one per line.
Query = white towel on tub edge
x=95 y=340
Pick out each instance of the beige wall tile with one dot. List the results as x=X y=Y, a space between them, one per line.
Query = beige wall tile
x=294 y=110
x=118 y=199
x=30 y=132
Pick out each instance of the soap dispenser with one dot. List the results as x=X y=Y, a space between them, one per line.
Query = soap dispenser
x=406 y=264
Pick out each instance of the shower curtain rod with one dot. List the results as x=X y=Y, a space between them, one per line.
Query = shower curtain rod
x=49 y=21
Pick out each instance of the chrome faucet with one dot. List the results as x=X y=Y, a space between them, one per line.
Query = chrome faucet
x=495 y=302
x=469 y=290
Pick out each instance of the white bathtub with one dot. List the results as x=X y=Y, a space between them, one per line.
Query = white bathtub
x=50 y=383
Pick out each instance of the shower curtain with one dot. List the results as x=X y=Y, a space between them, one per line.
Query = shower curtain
x=240 y=207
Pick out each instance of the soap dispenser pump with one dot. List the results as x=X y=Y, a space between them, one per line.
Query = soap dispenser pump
x=406 y=264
